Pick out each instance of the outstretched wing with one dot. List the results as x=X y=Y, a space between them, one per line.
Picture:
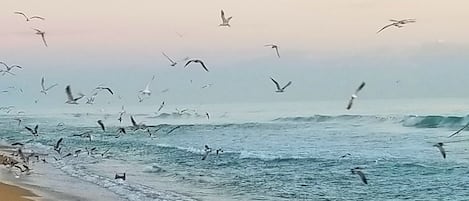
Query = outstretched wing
x=133 y=121
x=223 y=16
x=392 y=24
x=68 y=91
x=42 y=84
x=54 y=85
x=288 y=84
x=188 y=62
x=276 y=50
x=350 y=103
x=360 y=87
x=458 y=131
x=37 y=17
x=276 y=83
x=203 y=65
x=362 y=176
x=58 y=143
x=24 y=15
x=442 y=151
x=167 y=57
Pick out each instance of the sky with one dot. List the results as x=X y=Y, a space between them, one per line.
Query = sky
x=327 y=49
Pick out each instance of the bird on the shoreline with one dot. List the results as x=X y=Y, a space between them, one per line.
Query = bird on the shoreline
x=354 y=96
x=147 y=91
x=29 y=18
x=397 y=23
x=43 y=86
x=357 y=170
x=41 y=33
x=173 y=63
x=280 y=89
x=70 y=99
x=33 y=131
x=9 y=68
x=197 y=61
x=101 y=124
x=273 y=46
x=225 y=21
x=439 y=145
x=458 y=131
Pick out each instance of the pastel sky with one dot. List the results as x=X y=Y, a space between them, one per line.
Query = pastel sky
x=327 y=48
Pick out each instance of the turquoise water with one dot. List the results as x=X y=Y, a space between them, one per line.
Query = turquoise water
x=271 y=152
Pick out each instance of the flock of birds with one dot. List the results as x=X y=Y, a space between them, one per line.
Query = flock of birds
x=75 y=98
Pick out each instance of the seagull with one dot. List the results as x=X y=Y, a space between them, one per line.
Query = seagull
x=458 y=131
x=121 y=113
x=147 y=91
x=120 y=176
x=173 y=63
x=86 y=134
x=105 y=88
x=9 y=68
x=28 y=18
x=161 y=107
x=207 y=115
x=44 y=89
x=57 y=147
x=274 y=47
x=397 y=23
x=41 y=33
x=197 y=61
x=345 y=155
x=135 y=125
x=280 y=89
x=219 y=150
x=70 y=98
x=100 y=122
x=207 y=151
x=33 y=131
x=358 y=171
x=225 y=21
x=350 y=103
x=19 y=121
x=439 y=145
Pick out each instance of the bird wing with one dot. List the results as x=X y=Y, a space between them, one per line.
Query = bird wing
x=167 y=57
x=161 y=107
x=203 y=65
x=101 y=124
x=52 y=86
x=458 y=131
x=188 y=62
x=392 y=24
x=37 y=17
x=276 y=50
x=58 y=143
x=29 y=129
x=228 y=20
x=24 y=15
x=442 y=150
x=276 y=83
x=362 y=176
x=133 y=121
x=223 y=16
x=350 y=103
x=360 y=87
x=4 y=64
x=69 y=93
x=35 y=128
x=288 y=84
x=42 y=84
x=44 y=39
x=205 y=155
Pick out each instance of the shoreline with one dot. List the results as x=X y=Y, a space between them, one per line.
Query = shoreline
x=12 y=192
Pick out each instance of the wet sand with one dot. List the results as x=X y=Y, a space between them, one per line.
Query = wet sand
x=15 y=193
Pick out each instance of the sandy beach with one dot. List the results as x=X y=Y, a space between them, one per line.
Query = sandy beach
x=15 y=193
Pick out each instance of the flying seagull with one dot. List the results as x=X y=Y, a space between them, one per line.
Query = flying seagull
x=100 y=122
x=159 y=108
x=41 y=33
x=207 y=150
x=358 y=171
x=197 y=61
x=207 y=115
x=44 y=89
x=273 y=46
x=57 y=147
x=397 y=23
x=173 y=63
x=458 y=131
x=225 y=21
x=70 y=99
x=280 y=89
x=33 y=131
x=350 y=102
x=105 y=88
x=439 y=145
x=28 y=18
x=147 y=91
x=9 y=68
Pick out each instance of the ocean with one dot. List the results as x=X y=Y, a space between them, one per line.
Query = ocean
x=271 y=151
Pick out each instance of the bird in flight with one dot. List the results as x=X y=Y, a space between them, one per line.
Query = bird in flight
x=9 y=68
x=358 y=171
x=33 y=131
x=397 y=23
x=225 y=21
x=28 y=18
x=147 y=91
x=101 y=124
x=207 y=150
x=105 y=88
x=70 y=98
x=350 y=102
x=43 y=86
x=197 y=61
x=173 y=63
x=439 y=145
x=280 y=89
x=41 y=33
x=273 y=46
